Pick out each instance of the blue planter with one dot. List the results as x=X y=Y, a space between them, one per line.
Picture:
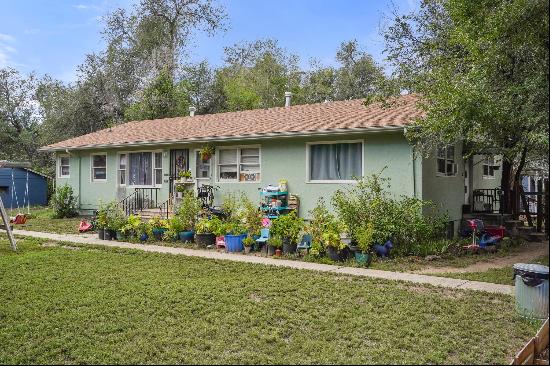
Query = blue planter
x=158 y=233
x=363 y=259
x=144 y=237
x=186 y=236
x=234 y=243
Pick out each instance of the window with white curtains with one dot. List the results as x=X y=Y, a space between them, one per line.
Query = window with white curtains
x=335 y=161
x=140 y=172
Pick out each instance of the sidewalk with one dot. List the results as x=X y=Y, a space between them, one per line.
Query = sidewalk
x=361 y=272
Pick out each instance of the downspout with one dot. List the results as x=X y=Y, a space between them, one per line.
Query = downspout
x=413 y=171
x=79 y=181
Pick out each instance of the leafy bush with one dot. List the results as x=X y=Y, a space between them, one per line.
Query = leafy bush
x=174 y=226
x=251 y=217
x=287 y=226
x=116 y=219
x=367 y=208
x=324 y=229
x=64 y=203
x=134 y=226
x=275 y=241
x=188 y=210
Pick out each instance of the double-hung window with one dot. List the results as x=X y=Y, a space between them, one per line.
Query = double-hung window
x=239 y=164
x=446 y=165
x=144 y=168
x=99 y=167
x=335 y=162
x=64 y=167
x=122 y=161
x=489 y=165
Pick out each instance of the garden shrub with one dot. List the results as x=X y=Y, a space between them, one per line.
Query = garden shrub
x=368 y=207
x=323 y=227
x=188 y=210
x=64 y=203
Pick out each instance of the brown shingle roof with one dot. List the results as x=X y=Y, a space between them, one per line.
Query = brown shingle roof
x=329 y=117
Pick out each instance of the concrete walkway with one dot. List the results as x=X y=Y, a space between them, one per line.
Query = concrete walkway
x=361 y=272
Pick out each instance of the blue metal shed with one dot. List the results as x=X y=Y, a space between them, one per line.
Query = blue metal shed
x=13 y=184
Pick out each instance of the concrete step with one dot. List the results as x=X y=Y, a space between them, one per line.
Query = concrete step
x=525 y=231
x=538 y=237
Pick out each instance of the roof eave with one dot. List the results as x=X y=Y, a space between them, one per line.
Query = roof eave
x=331 y=132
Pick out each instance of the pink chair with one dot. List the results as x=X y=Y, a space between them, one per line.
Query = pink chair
x=220 y=242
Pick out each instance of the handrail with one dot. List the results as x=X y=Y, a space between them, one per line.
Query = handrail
x=141 y=199
x=165 y=208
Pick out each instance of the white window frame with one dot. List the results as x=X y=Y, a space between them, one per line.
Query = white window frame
x=59 y=171
x=489 y=164
x=118 y=169
x=328 y=181
x=197 y=156
x=92 y=168
x=153 y=167
x=238 y=148
x=454 y=173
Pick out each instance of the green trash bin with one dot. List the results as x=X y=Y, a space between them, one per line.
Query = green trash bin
x=531 y=282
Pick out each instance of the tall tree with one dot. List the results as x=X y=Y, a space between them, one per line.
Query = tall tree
x=18 y=116
x=481 y=69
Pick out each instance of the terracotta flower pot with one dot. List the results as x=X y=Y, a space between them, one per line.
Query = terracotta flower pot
x=278 y=252
x=247 y=250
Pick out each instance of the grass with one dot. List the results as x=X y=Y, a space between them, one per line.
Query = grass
x=496 y=275
x=41 y=220
x=98 y=305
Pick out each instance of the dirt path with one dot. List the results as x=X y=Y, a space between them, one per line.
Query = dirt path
x=534 y=250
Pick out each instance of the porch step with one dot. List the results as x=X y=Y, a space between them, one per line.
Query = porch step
x=536 y=237
x=526 y=231
x=149 y=213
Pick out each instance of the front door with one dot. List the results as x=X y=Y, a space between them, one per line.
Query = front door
x=179 y=162
x=203 y=170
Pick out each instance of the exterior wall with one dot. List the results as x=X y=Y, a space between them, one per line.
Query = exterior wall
x=447 y=192
x=283 y=158
x=480 y=182
x=38 y=187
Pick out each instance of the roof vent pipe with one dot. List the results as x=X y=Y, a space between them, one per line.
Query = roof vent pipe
x=192 y=111
x=288 y=96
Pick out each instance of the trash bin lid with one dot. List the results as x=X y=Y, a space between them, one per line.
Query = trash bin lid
x=537 y=270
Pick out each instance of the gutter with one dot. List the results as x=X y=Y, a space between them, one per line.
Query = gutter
x=334 y=132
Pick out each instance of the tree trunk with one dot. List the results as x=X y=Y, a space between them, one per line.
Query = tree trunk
x=506 y=204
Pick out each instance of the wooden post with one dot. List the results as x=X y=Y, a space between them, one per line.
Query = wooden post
x=540 y=212
x=7 y=225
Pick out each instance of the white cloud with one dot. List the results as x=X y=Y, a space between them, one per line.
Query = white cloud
x=6 y=50
x=86 y=7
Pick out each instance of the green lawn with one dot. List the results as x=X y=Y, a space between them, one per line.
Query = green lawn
x=97 y=305
x=41 y=220
x=497 y=275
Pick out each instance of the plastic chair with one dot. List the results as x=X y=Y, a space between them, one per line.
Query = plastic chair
x=220 y=242
x=264 y=236
x=305 y=243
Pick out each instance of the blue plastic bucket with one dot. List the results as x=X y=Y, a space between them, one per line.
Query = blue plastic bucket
x=234 y=243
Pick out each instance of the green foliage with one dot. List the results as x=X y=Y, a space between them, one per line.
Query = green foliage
x=370 y=212
x=189 y=209
x=64 y=203
x=174 y=226
x=161 y=99
x=206 y=226
x=251 y=216
x=324 y=228
x=133 y=226
x=364 y=236
x=481 y=71
x=275 y=241
x=248 y=241
x=157 y=223
x=116 y=219
x=287 y=226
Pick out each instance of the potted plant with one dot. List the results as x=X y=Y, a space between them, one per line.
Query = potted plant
x=188 y=212
x=274 y=244
x=248 y=242
x=331 y=239
x=101 y=221
x=206 y=152
x=115 y=220
x=131 y=227
x=158 y=227
x=205 y=231
x=288 y=228
x=364 y=238
x=235 y=232
x=174 y=228
x=185 y=175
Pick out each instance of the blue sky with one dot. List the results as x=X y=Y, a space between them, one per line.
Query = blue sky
x=53 y=37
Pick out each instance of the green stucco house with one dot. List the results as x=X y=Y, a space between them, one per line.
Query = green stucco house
x=317 y=148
